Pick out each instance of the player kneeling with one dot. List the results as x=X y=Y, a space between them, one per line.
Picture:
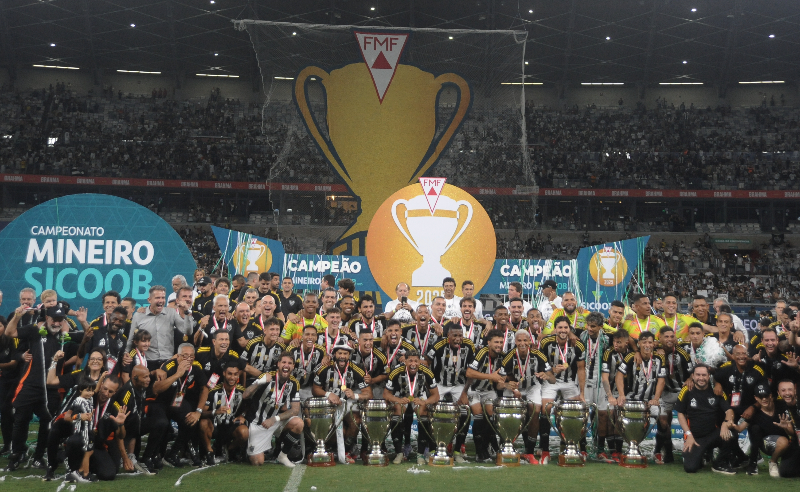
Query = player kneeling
x=223 y=418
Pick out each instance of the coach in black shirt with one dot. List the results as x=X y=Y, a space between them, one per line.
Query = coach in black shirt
x=699 y=413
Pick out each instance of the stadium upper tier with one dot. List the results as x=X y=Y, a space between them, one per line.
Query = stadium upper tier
x=57 y=132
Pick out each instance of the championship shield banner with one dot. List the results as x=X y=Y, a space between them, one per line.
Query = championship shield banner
x=604 y=271
x=84 y=245
x=245 y=253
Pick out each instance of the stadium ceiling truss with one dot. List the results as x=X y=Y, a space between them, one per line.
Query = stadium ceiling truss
x=638 y=42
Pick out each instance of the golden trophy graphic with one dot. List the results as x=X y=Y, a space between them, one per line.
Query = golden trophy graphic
x=608 y=267
x=431 y=234
x=378 y=147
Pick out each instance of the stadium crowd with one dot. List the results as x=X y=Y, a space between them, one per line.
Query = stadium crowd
x=216 y=371
x=219 y=138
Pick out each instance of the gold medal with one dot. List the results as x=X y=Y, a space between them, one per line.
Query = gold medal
x=228 y=410
x=411 y=399
x=344 y=387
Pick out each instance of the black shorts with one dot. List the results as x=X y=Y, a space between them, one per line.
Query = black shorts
x=224 y=432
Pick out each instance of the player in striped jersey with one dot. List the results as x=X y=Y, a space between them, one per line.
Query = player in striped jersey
x=372 y=361
x=472 y=329
x=412 y=386
x=596 y=341
x=332 y=334
x=264 y=352
x=612 y=358
x=488 y=376
x=503 y=324
x=274 y=405
x=567 y=358
x=678 y=365
x=422 y=335
x=642 y=381
x=393 y=345
x=366 y=319
x=525 y=369
x=222 y=418
x=308 y=358
x=449 y=361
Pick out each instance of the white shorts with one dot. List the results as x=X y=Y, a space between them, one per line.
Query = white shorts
x=592 y=393
x=569 y=390
x=476 y=397
x=305 y=394
x=260 y=439
x=668 y=401
x=454 y=391
x=531 y=394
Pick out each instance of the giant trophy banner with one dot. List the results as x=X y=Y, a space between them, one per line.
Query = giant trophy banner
x=243 y=254
x=86 y=244
x=383 y=105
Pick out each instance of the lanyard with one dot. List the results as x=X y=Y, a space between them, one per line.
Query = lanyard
x=372 y=327
x=98 y=414
x=216 y=326
x=371 y=357
x=523 y=368
x=422 y=347
x=596 y=346
x=341 y=375
x=411 y=385
x=505 y=339
x=491 y=363
x=184 y=380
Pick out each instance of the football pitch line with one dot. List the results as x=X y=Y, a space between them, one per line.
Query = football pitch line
x=295 y=478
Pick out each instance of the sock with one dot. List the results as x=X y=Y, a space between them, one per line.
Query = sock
x=397 y=434
x=544 y=433
x=290 y=445
x=461 y=437
x=530 y=442
x=601 y=444
x=478 y=436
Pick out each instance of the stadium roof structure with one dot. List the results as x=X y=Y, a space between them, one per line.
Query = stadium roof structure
x=642 y=42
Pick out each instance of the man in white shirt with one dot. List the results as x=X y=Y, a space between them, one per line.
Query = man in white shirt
x=551 y=300
x=452 y=301
x=402 y=308
x=721 y=305
x=468 y=289
x=515 y=292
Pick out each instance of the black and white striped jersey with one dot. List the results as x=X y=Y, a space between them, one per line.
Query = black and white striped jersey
x=273 y=398
x=641 y=379
x=306 y=364
x=262 y=357
x=449 y=364
x=485 y=363
x=611 y=361
x=524 y=369
x=678 y=364
x=402 y=385
x=421 y=340
x=219 y=397
x=563 y=354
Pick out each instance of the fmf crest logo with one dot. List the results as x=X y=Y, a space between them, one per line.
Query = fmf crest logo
x=381 y=53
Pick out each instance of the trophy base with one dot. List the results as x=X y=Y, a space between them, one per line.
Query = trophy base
x=633 y=461
x=376 y=460
x=437 y=460
x=571 y=461
x=321 y=460
x=507 y=459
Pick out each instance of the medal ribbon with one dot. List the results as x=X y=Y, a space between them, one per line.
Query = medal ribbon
x=306 y=365
x=596 y=345
x=98 y=414
x=646 y=326
x=411 y=385
x=228 y=399
x=523 y=368
x=185 y=379
x=394 y=354
x=341 y=375
x=471 y=328
x=423 y=348
x=216 y=326
x=564 y=352
x=278 y=396
x=649 y=367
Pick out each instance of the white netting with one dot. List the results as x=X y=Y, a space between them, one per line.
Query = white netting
x=489 y=142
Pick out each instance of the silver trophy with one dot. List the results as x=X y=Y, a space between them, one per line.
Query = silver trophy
x=572 y=422
x=508 y=419
x=375 y=416
x=443 y=417
x=322 y=415
x=635 y=424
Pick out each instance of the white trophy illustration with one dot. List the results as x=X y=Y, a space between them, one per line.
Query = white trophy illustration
x=254 y=252
x=608 y=260
x=431 y=234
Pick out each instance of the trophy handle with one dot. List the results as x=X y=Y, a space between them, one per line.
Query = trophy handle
x=325 y=145
x=400 y=226
x=464 y=102
x=487 y=418
x=464 y=227
x=469 y=418
x=419 y=420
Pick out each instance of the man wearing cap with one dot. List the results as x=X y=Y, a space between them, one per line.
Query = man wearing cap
x=203 y=303
x=773 y=432
x=699 y=413
x=550 y=301
x=342 y=383
x=32 y=397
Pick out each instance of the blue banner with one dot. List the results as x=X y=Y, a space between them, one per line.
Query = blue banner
x=307 y=270
x=245 y=253
x=86 y=244
x=530 y=273
x=604 y=271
